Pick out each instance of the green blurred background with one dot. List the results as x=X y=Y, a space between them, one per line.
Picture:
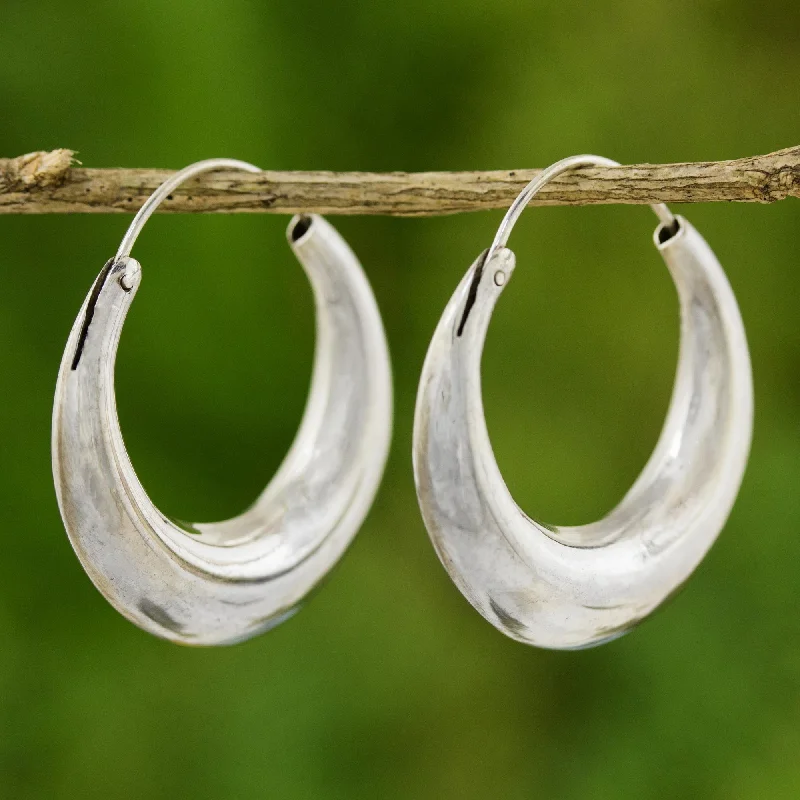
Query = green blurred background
x=388 y=684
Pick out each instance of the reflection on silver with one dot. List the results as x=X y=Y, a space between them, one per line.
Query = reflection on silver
x=216 y=583
x=572 y=587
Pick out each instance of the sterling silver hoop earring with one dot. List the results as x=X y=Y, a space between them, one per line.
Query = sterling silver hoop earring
x=218 y=583
x=573 y=587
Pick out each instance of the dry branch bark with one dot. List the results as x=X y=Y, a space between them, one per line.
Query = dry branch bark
x=47 y=183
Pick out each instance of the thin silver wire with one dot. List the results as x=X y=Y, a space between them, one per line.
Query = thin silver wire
x=533 y=188
x=166 y=188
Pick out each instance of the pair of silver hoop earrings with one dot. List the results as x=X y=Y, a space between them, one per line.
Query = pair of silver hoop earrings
x=555 y=587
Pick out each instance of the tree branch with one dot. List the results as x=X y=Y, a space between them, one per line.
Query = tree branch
x=48 y=183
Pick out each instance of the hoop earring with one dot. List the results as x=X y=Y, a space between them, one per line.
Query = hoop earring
x=573 y=587
x=218 y=583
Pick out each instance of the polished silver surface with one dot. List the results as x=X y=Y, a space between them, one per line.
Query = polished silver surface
x=572 y=587
x=217 y=583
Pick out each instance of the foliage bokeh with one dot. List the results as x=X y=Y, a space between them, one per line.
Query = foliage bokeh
x=387 y=684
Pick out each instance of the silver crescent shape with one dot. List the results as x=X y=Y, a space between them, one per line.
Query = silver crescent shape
x=218 y=583
x=574 y=587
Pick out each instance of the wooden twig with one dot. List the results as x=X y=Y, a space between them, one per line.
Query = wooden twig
x=48 y=183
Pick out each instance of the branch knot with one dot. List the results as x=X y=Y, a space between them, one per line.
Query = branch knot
x=34 y=170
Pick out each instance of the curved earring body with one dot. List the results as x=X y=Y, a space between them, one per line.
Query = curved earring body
x=217 y=583
x=573 y=587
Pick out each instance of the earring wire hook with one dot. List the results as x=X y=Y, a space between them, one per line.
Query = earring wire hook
x=166 y=188
x=532 y=189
